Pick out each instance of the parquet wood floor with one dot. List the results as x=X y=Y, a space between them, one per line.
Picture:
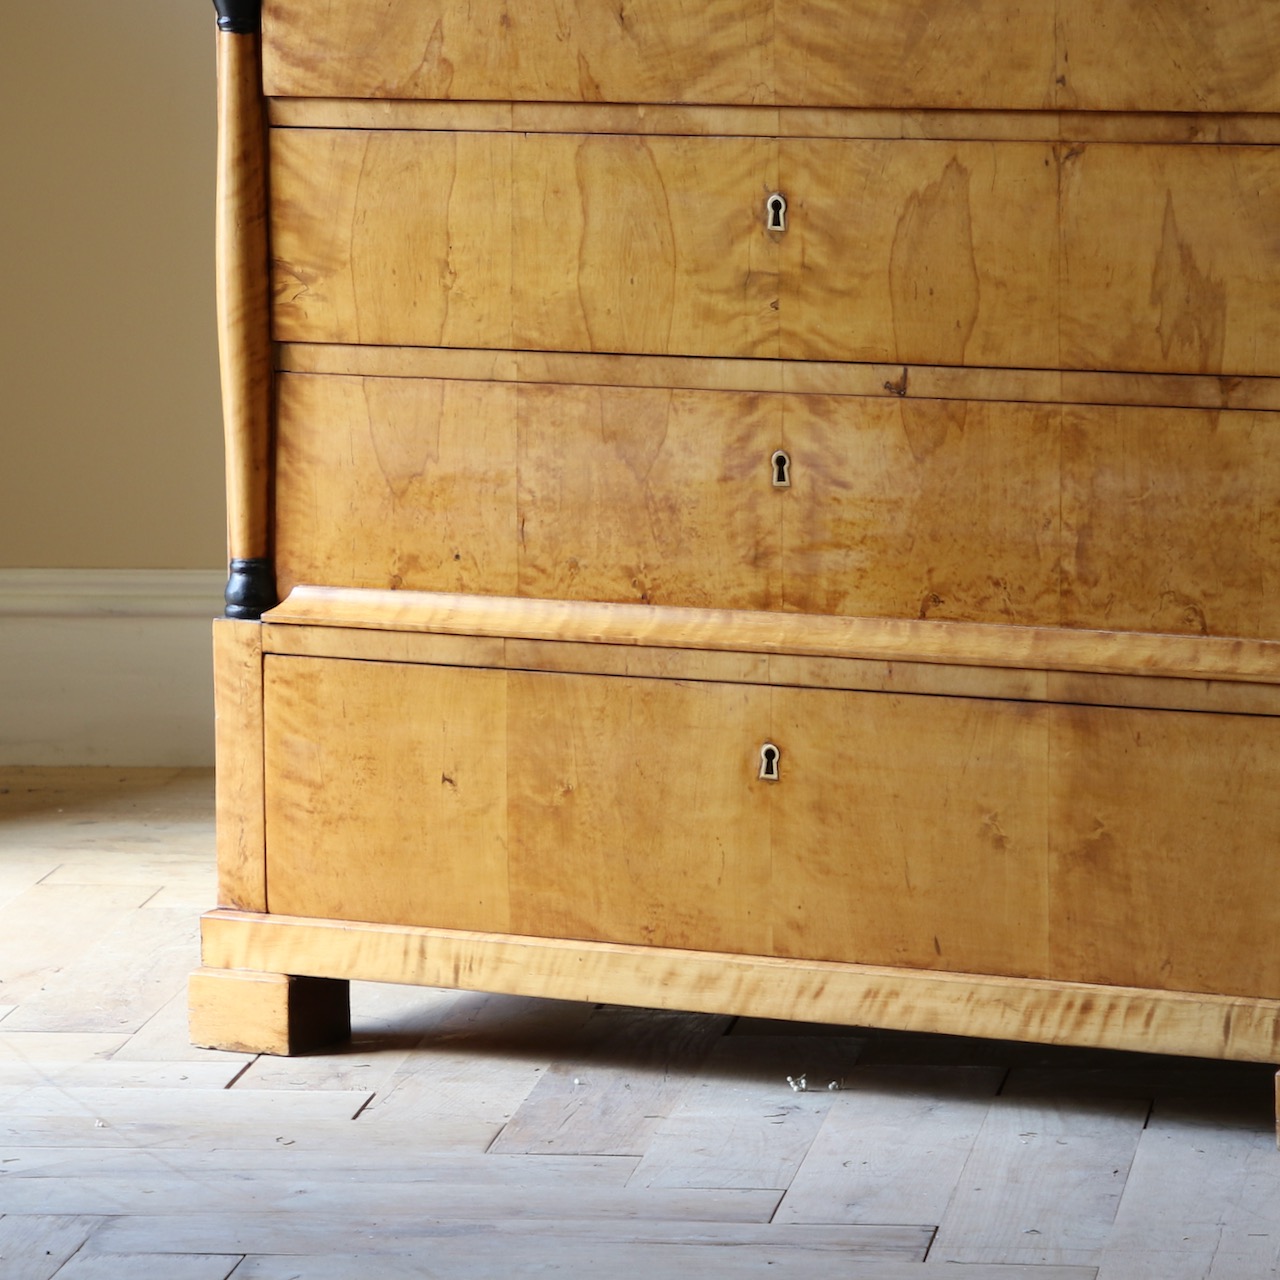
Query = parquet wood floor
x=463 y=1135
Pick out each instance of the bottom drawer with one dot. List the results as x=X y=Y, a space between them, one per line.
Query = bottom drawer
x=1091 y=844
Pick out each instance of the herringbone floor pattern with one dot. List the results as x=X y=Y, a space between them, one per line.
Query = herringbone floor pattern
x=464 y=1135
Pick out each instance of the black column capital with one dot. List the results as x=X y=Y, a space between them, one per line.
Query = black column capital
x=240 y=17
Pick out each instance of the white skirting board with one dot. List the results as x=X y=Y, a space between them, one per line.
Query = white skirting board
x=107 y=666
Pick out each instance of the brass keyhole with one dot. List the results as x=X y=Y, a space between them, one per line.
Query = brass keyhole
x=770 y=761
x=780 y=461
x=775 y=212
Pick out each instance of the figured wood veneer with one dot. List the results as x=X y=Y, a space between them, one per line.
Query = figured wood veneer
x=1085 y=516
x=237 y=693
x=1010 y=628
x=963 y=834
x=1098 y=55
x=1030 y=255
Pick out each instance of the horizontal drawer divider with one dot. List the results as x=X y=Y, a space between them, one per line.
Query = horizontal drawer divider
x=858 y=675
x=1203 y=128
x=963 y=644
x=798 y=377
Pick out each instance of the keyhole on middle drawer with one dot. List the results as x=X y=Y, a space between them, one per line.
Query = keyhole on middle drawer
x=775 y=212
x=781 y=464
x=770 y=758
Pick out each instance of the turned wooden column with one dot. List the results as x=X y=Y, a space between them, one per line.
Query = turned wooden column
x=244 y=335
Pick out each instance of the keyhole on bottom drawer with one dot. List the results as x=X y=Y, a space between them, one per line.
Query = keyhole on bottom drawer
x=781 y=464
x=770 y=758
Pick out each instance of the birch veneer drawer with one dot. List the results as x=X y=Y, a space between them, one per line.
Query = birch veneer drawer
x=1091 y=844
x=1111 y=55
x=1140 y=519
x=1140 y=257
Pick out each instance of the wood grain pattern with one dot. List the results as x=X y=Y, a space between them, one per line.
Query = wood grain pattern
x=647 y=792
x=266 y=1012
x=524 y=49
x=1123 y=55
x=937 y=252
x=589 y=1106
x=913 y=251
x=868 y=675
x=649 y=245
x=654 y=496
x=351 y=748
x=419 y=238
x=1192 y=127
x=879 y=1151
x=1162 y=830
x=1048 y=1012
x=534 y=234
x=382 y=232
x=994 y=837
x=756 y=1140
x=659 y=495
x=244 y=343
x=1036 y=1138
x=1169 y=521
x=884 y=381
x=1100 y=55
x=911 y=831
x=884 y=639
x=930 y=509
x=241 y=831
x=912 y=53
x=382 y=482
x=1197 y=128
x=1088 y=516
x=181 y=1170
x=1183 y=239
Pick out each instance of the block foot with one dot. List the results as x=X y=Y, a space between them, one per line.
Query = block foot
x=275 y=1013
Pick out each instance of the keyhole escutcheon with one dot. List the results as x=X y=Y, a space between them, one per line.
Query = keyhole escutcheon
x=780 y=466
x=775 y=212
x=770 y=763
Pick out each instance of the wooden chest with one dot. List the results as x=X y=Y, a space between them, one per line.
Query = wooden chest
x=768 y=506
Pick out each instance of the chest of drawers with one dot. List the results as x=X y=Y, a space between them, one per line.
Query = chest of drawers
x=772 y=510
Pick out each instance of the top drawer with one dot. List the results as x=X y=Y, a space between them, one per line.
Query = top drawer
x=1095 y=55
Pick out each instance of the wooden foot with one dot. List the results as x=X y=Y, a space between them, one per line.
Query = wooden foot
x=275 y=1013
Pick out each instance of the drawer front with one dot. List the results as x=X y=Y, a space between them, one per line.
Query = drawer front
x=1111 y=55
x=577 y=493
x=1013 y=254
x=631 y=810
x=1099 y=845
x=1164 y=867
x=539 y=804
x=1103 y=517
x=548 y=242
x=367 y=767
x=1160 y=520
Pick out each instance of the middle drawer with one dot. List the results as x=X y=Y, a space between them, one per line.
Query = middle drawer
x=1096 y=516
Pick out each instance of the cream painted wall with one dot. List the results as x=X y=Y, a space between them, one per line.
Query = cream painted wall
x=110 y=448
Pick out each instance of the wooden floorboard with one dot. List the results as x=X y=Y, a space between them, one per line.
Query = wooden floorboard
x=463 y=1135
x=1049 y=1156
x=150 y=1266
x=583 y=1261
x=894 y=1145
x=734 y=1127
x=36 y=1246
